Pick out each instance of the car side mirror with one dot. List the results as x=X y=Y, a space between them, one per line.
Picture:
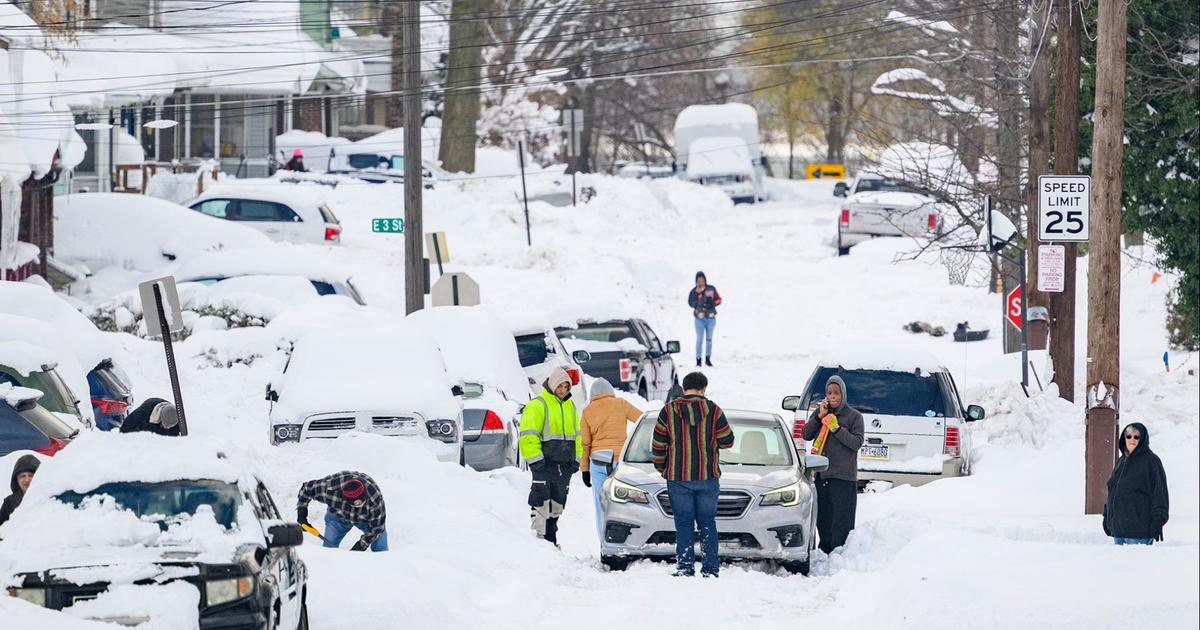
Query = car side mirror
x=456 y=390
x=840 y=189
x=285 y=535
x=272 y=395
x=581 y=356
x=791 y=403
x=975 y=413
x=672 y=347
x=816 y=463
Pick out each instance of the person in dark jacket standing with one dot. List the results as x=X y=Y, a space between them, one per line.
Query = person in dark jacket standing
x=688 y=436
x=352 y=499
x=704 y=300
x=22 y=474
x=1137 y=505
x=837 y=486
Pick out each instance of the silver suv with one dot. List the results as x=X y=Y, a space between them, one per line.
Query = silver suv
x=767 y=509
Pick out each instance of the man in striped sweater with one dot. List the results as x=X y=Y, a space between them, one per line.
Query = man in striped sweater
x=688 y=436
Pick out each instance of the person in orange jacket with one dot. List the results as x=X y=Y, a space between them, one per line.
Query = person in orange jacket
x=603 y=432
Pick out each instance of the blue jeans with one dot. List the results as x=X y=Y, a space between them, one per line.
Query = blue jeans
x=336 y=529
x=599 y=472
x=704 y=333
x=694 y=503
x=1133 y=541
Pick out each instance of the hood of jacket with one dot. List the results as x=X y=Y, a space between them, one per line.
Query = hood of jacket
x=601 y=387
x=26 y=464
x=837 y=380
x=1143 y=444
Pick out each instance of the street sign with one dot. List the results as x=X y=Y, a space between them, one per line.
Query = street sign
x=455 y=289
x=170 y=307
x=389 y=226
x=1012 y=307
x=1052 y=268
x=572 y=120
x=1064 y=203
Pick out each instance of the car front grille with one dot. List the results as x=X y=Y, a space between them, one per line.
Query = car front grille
x=332 y=424
x=731 y=504
x=393 y=422
x=732 y=539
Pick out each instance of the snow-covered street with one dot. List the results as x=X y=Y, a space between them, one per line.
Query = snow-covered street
x=1005 y=547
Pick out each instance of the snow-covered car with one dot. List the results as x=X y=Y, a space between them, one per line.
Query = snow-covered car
x=879 y=206
x=295 y=214
x=717 y=146
x=540 y=351
x=627 y=353
x=33 y=367
x=27 y=426
x=766 y=509
x=178 y=532
x=386 y=381
x=915 y=423
x=283 y=262
x=380 y=159
x=481 y=360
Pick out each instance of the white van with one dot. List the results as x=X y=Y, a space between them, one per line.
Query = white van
x=917 y=429
x=717 y=145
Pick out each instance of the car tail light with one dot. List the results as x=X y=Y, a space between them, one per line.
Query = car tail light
x=625 y=366
x=53 y=447
x=333 y=233
x=933 y=221
x=574 y=374
x=798 y=429
x=952 y=442
x=845 y=217
x=492 y=422
x=108 y=407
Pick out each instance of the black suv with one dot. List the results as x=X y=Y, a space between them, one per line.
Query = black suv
x=628 y=354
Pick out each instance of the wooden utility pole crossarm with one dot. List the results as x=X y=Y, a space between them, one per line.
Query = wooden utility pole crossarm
x=1066 y=162
x=1104 y=255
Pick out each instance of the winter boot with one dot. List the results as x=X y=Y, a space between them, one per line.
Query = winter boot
x=683 y=572
x=707 y=361
x=697 y=362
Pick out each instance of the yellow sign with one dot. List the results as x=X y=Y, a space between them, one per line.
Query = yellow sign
x=820 y=171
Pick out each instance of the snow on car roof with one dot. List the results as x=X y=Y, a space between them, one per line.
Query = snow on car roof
x=393 y=368
x=25 y=357
x=274 y=259
x=14 y=395
x=17 y=328
x=884 y=356
x=94 y=228
x=724 y=114
x=289 y=193
x=476 y=347
x=90 y=346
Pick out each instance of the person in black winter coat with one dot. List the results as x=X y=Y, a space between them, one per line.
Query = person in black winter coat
x=1137 y=505
x=155 y=415
x=22 y=474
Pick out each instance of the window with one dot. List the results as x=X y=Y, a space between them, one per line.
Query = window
x=873 y=185
x=218 y=208
x=16 y=433
x=46 y=422
x=655 y=344
x=609 y=331
x=323 y=288
x=233 y=131
x=886 y=392
x=367 y=160
x=166 y=500
x=327 y=214
x=203 y=135
x=531 y=349
x=755 y=443
x=267 y=503
x=254 y=210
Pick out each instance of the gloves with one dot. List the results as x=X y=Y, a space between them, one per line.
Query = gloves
x=361 y=545
x=302 y=515
x=587 y=478
x=1156 y=526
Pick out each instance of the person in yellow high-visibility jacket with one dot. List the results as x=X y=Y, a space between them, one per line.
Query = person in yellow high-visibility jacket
x=551 y=446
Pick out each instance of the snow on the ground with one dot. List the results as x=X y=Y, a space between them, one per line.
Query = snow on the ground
x=1007 y=547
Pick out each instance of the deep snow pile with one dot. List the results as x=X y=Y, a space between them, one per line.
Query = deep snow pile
x=1006 y=547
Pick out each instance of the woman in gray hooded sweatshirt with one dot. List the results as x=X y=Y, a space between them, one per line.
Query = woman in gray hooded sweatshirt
x=837 y=487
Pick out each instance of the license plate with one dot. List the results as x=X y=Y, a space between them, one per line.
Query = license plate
x=873 y=451
x=84 y=598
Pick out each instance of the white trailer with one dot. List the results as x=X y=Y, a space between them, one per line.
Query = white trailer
x=717 y=145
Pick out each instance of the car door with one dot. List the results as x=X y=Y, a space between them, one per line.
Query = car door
x=296 y=228
x=282 y=563
x=263 y=216
x=661 y=365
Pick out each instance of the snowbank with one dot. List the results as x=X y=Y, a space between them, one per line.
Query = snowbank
x=476 y=347
x=173 y=606
x=89 y=345
x=24 y=357
x=95 y=229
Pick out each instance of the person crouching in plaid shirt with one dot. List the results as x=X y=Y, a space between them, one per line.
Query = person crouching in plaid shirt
x=352 y=499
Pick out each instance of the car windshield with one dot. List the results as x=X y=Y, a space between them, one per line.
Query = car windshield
x=166 y=501
x=531 y=349
x=884 y=185
x=327 y=214
x=887 y=392
x=755 y=443
x=49 y=424
x=611 y=331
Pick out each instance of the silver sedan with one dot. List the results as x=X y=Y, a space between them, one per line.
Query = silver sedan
x=767 y=509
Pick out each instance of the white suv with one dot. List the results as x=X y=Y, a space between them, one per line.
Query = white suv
x=916 y=425
x=878 y=206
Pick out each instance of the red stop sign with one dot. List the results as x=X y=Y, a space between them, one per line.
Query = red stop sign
x=1012 y=307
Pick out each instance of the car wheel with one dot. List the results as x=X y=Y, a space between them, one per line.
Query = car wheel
x=842 y=251
x=795 y=566
x=615 y=563
x=643 y=391
x=462 y=456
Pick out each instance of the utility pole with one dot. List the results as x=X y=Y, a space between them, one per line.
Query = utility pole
x=1039 y=142
x=1104 y=255
x=1066 y=162
x=390 y=20
x=414 y=263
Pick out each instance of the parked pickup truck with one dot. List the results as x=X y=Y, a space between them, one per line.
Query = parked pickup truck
x=878 y=206
x=627 y=353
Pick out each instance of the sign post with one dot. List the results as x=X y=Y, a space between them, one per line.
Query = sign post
x=573 y=122
x=436 y=241
x=1000 y=234
x=162 y=315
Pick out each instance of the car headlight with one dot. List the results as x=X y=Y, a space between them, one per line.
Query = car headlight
x=443 y=430
x=621 y=492
x=35 y=596
x=218 y=592
x=287 y=433
x=786 y=496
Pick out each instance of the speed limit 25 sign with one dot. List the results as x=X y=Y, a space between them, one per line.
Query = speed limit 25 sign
x=1064 y=203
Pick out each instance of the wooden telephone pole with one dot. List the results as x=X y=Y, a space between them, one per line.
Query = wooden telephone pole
x=1104 y=255
x=1039 y=145
x=414 y=261
x=1066 y=162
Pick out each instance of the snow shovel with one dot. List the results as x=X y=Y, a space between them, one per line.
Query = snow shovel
x=313 y=530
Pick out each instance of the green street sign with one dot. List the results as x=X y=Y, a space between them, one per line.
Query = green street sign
x=393 y=226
